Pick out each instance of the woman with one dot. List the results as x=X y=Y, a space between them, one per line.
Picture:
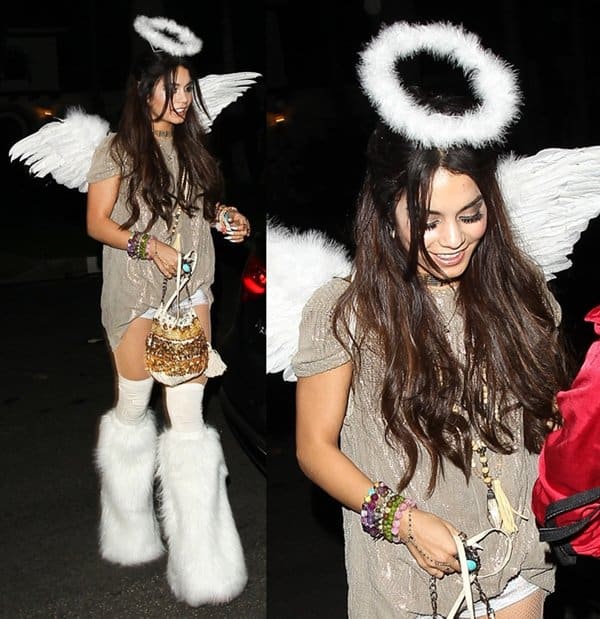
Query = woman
x=154 y=192
x=431 y=369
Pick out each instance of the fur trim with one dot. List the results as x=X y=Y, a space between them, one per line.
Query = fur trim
x=492 y=79
x=167 y=35
x=126 y=458
x=206 y=561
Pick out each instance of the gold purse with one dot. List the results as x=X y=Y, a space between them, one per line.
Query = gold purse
x=176 y=347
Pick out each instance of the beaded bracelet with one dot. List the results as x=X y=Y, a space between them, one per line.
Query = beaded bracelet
x=138 y=245
x=381 y=512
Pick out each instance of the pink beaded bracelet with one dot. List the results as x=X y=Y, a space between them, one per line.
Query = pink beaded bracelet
x=406 y=504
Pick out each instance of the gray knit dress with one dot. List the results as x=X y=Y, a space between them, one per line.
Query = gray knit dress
x=130 y=287
x=384 y=580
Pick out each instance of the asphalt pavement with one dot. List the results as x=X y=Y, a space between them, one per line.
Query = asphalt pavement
x=57 y=382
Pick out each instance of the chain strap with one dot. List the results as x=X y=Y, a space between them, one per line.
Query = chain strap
x=468 y=553
x=433 y=594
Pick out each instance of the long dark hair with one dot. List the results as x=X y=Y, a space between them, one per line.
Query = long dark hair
x=513 y=353
x=136 y=149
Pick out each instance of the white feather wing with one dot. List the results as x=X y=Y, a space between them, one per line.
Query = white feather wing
x=63 y=148
x=218 y=91
x=297 y=264
x=551 y=197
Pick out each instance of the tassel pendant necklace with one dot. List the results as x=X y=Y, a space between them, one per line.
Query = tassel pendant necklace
x=499 y=510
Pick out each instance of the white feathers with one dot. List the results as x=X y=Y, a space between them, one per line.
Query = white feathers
x=493 y=82
x=297 y=264
x=63 y=148
x=551 y=197
x=218 y=91
x=167 y=35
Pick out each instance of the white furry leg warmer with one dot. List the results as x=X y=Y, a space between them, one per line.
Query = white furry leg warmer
x=206 y=561
x=126 y=460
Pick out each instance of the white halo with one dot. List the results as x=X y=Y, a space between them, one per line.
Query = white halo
x=491 y=78
x=179 y=40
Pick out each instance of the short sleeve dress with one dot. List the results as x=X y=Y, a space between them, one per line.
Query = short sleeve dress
x=383 y=579
x=130 y=287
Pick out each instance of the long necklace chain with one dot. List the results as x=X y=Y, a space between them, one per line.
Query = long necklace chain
x=493 y=510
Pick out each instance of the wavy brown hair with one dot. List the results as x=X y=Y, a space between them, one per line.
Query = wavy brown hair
x=136 y=149
x=511 y=340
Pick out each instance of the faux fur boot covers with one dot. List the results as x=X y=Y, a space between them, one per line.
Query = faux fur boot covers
x=206 y=562
x=126 y=459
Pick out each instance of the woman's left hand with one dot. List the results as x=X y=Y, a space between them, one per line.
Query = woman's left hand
x=236 y=226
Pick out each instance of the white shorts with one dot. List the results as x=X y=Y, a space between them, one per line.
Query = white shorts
x=516 y=590
x=198 y=298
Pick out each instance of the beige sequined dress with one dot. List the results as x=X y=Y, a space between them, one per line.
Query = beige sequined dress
x=130 y=287
x=384 y=581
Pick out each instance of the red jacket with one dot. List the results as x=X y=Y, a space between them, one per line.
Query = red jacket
x=570 y=458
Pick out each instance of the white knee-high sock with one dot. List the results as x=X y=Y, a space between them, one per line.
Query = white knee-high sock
x=133 y=399
x=184 y=405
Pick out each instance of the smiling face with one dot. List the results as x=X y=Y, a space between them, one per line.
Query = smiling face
x=456 y=223
x=177 y=108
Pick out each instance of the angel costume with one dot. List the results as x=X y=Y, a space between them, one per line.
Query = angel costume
x=206 y=563
x=120 y=303
x=384 y=580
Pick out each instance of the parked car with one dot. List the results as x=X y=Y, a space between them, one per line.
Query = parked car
x=243 y=386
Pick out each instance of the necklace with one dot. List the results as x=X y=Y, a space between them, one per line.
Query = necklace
x=430 y=280
x=161 y=133
x=499 y=510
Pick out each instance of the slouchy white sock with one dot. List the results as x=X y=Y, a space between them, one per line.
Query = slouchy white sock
x=133 y=399
x=184 y=405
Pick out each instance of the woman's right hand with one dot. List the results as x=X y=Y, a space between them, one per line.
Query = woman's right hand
x=429 y=540
x=164 y=257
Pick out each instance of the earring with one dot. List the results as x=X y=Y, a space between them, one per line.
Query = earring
x=392 y=232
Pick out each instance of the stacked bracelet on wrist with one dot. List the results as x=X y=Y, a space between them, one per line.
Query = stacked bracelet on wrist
x=381 y=512
x=138 y=245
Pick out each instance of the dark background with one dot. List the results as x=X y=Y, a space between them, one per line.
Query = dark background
x=314 y=170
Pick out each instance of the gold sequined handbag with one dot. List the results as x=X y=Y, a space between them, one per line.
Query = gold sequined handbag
x=176 y=347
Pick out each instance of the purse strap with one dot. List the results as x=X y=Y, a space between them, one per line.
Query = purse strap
x=182 y=279
x=554 y=533
x=470 y=578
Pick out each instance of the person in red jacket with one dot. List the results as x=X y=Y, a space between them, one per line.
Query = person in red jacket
x=566 y=495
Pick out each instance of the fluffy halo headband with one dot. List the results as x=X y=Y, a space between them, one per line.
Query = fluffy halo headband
x=491 y=79
x=168 y=36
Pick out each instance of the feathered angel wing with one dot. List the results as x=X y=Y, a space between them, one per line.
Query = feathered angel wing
x=63 y=148
x=297 y=264
x=218 y=91
x=551 y=197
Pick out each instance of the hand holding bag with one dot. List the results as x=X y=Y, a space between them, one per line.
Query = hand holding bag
x=176 y=347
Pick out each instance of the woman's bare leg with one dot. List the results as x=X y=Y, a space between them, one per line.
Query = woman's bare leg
x=129 y=355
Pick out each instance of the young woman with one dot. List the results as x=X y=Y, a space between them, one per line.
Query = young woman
x=154 y=192
x=433 y=370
